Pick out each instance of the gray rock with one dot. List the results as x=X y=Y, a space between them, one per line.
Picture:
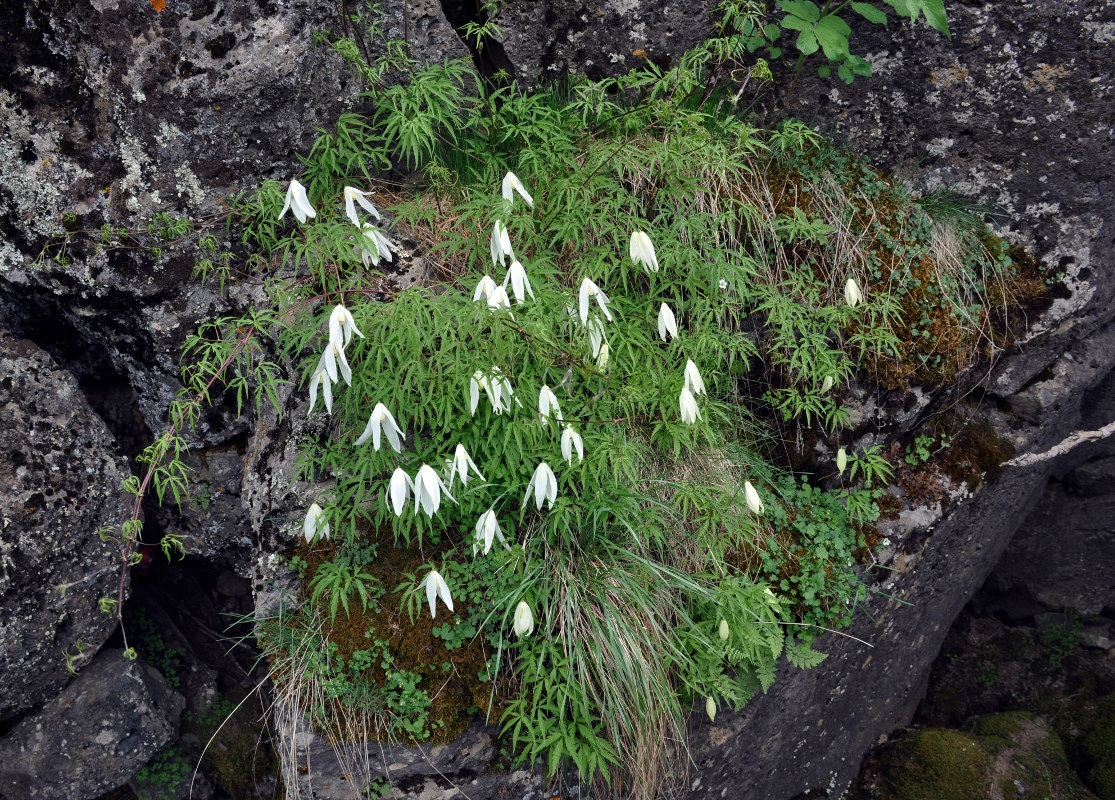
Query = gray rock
x=92 y=737
x=60 y=476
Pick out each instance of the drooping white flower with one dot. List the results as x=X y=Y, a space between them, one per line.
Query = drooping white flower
x=382 y=422
x=596 y=338
x=603 y=357
x=570 y=441
x=520 y=283
x=333 y=359
x=460 y=466
x=667 y=324
x=852 y=294
x=374 y=246
x=342 y=326
x=543 y=485
x=723 y=630
x=498 y=299
x=524 y=620
x=400 y=487
x=841 y=460
x=320 y=378
x=693 y=380
x=642 y=251
x=354 y=196
x=428 y=487
x=548 y=407
x=484 y=289
x=487 y=531
x=710 y=709
x=754 y=502
x=511 y=183
x=588 y=291
x=297 y=202
x=689 y=411
x=500 y=244
x=496 y=385
x=827 y=383
x=436 y=587
x=316 y=525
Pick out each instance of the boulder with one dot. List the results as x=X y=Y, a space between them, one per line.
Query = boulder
x=111 y=719
x=60 y=476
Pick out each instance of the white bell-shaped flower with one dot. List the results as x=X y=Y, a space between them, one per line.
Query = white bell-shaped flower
x=543 y=485
x=548 y=407
x=590 y=291
x=511 y=184
x=524 y=620
x=487 y=531
x=342 y=326
x=642 y=252
x=852 y=294
x=436 y=587
x=320 y=379
x=484 y=289
x=428 y=488
x=398 y=490
x=689 y=411
x=500 y=244
x=354 y=196
x=298 y=202
x=754 y=502
x=841 y=460
x=667 y=323
x=316 y=524
x=693 y=381
x=374 y=246
x=520 y=283
x=570 y=441
x=381 y=423
x=460 y=466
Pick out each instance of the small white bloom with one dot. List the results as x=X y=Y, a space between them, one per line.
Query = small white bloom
x=667 y=324
x=511 y=183
x=827 y=383
x=316 y=525
x=354 y=196
x=398 y=490
x=642 y=251
x=723 y=285
x=333 y=359
x=571 y=440
x=498 y=299
x=754 y=502
x=436 y=587
x=693 y=380
x=488 y=530
x=297 y=202
x=596 y=338
x=500 y=244
x=342 y=326
x=591 y=290
x=427 y=491
x=321 y=378
x=543 y=484
x=484 y=289
x=548 y=407
x=477 y=382
x=460 y=466
x=524 y=620
x=382 y=422
x=689 y=411
x=724 y=631
x=710 y=709
x=841 y=460
x=520 y=283
x=852 y=294
x=885 y=543
x=603 y=357
x=374 y=246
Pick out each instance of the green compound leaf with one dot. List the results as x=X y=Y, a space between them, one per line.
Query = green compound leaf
x=870 y=13
x=807 y=43
x=934 y=11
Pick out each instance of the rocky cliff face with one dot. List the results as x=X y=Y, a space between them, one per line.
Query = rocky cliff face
x=114 y=110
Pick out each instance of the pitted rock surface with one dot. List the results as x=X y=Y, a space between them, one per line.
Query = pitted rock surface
x=60 y=476
x=92 y=737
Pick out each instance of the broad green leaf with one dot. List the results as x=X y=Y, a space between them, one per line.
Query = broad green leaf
x=832 y=32
x=796 y=23
x=802 y=9
x=807 y=43
x=870 y=13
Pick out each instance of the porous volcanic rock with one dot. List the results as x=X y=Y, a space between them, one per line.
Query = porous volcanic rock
x=60 y=476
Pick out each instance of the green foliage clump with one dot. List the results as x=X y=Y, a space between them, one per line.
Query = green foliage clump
x=164 y=776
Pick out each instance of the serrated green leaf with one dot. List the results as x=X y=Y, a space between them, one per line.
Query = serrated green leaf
x=796 y=23
x=870 y=13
